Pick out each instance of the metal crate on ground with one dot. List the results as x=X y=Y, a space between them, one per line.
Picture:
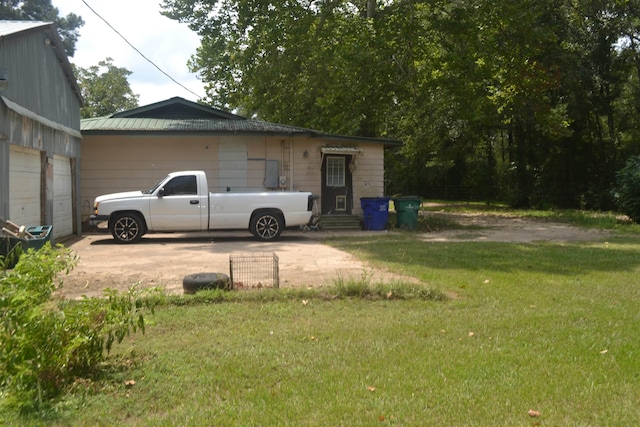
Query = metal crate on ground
x=254 y=271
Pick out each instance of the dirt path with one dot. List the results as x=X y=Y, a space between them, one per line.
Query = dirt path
x=164 y=259
x=496 y=228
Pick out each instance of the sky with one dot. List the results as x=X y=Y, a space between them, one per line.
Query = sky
x=167 y=43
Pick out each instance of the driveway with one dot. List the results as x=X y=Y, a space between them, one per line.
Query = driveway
x=164 y=259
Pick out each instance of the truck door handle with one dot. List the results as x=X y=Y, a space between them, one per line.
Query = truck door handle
x=194 y=202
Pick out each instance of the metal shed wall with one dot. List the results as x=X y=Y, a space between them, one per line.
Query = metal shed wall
x=38 y=75
x=39 y=109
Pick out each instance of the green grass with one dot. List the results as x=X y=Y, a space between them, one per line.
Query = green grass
x=543 y=326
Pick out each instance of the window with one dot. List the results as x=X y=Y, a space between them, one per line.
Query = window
x=181 y=185
x=335 y=171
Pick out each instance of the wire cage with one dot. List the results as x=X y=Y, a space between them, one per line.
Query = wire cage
x=254 y=271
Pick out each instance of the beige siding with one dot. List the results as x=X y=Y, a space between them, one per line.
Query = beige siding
x=121 y=163
x=255 y=175
x=307 y=170
x=368 y=176
x=256 y=164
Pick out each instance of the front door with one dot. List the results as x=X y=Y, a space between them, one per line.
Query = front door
x=337 y=197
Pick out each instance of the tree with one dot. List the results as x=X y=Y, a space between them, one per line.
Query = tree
x=105 y=89
x=627 y=190
x=532 y=102
x=292 y=62
x=42 y=10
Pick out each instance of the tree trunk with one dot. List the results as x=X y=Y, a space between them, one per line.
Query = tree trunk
x=371 y=9
x=522 y=175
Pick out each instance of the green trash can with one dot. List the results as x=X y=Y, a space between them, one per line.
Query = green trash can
x=407 y=209
x=41 y=235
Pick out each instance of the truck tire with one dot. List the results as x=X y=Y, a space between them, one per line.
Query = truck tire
x=194 y=282
x=127 y=228
x=266 y=226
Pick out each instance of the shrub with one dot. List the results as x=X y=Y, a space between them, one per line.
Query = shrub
x=627 y=191
x=45 y=342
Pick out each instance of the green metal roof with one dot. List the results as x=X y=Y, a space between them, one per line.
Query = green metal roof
x=179 y=116
x=126 y=125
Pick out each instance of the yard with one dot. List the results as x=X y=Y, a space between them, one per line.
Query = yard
x=531 y=333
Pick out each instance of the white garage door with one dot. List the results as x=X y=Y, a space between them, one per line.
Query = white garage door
x=24 y=186
x=62 y=197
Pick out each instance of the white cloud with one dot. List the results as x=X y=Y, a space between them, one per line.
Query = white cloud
x=169 y=44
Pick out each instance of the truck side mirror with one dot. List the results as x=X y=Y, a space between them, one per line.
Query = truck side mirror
x=161 y=193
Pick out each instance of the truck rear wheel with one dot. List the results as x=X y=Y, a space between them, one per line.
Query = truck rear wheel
x=266 y=226
x=127 y=228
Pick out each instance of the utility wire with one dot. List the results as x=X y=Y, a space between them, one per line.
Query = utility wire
x=140 y=53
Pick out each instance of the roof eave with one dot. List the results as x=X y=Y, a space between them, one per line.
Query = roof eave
x=388 y=143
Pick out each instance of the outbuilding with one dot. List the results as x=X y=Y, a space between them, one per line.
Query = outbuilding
x=132 y=150
x=39 y=129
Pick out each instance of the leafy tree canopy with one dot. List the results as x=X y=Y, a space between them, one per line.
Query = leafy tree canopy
x=105 y=89
x=42 y=10
x=533 y=102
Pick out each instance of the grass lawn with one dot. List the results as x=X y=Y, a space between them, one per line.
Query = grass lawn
x=547 y=327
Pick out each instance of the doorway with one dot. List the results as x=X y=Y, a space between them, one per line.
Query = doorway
x=337 y=194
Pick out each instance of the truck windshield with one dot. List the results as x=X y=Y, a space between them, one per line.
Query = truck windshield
x=155 y=187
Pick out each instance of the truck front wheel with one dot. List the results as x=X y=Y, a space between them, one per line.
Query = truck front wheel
x=127 y=228
x=266 y=226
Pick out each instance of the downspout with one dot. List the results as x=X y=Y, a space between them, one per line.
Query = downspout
x=291 y=163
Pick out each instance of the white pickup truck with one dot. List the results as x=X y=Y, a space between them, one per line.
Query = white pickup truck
x=182 y=202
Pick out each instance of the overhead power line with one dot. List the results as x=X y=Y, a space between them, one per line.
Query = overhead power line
x=138 y=51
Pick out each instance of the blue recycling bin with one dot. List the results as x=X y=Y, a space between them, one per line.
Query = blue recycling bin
x=376 y=212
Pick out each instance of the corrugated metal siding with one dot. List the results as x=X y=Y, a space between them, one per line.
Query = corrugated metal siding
x=8 y=28
x=4 y=170
x=37 y=80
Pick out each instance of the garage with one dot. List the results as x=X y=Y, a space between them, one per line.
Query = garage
x=24 y=185
x=62 y=197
